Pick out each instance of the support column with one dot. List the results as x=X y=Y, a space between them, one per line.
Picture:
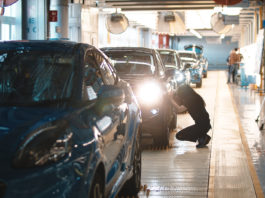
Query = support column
x=33 y=19
x=59 y=28
x=24 y=20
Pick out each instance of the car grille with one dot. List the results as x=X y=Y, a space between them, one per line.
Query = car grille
x=2 y=189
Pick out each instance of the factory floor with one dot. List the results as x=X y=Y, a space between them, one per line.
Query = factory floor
x=233 y=163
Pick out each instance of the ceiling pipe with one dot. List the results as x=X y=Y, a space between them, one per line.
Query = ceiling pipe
x=197 y=34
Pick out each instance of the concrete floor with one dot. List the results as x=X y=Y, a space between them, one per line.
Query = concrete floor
x=233 y=163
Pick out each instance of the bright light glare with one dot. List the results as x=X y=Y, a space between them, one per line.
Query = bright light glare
x=258 y=80
x=228 y=11
x=180 y=77
x=198 y=19
x=145 y=18
x=149 y=93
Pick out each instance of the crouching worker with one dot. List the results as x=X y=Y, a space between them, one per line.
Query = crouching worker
x=196 y=107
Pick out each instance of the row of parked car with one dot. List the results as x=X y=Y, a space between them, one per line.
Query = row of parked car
x=72 y=116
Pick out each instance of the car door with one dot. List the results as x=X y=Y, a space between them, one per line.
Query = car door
x=117 y=116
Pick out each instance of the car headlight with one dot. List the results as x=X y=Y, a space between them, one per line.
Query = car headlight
x=149 y=93
x=43 y=146
x=179 y=77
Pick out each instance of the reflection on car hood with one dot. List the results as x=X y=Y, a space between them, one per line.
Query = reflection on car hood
x=135 y=80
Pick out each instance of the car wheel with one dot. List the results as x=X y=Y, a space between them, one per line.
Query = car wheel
x=161 y=139
x=198 y=85
x=97 y=188
x=132 y=186
x=173 y=123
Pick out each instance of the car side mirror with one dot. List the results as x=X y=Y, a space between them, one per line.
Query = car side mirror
x=109 y=96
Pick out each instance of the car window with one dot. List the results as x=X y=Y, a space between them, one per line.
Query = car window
x=36 y=76
x=161 y=68
x=92 y=80
x=169 y=58
x=132 y=62
x=179 y=63
x=108 y=75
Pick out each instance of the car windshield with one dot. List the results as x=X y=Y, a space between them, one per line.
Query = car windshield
x=169 y=58
x=34 y=76
x=132 y=63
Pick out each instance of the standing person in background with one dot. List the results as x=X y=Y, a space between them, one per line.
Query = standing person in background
x=228 y=69
x=234 y=59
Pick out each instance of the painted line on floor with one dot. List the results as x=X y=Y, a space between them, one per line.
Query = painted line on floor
x=212 y=156
x=253 y=173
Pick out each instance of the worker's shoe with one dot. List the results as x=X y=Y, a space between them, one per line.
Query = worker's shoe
x=203 y=141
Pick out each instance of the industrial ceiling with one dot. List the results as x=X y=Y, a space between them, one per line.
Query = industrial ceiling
x=246 y=16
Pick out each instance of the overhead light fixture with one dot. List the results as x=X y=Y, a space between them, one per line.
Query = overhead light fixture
x=197 y=34
x=222 y=36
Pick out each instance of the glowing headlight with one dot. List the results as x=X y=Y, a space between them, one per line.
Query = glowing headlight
x=179 y=77
x=149 y=93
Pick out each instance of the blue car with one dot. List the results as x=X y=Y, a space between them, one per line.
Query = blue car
x=192 y=64
x=69 y=125
x=171 y=61
x=198 y=49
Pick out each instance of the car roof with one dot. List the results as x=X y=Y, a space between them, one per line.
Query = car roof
x=42 y=44
x=169 y=50
x=138 y=49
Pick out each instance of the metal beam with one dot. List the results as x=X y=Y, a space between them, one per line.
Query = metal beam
x=167 y=1
x=161 y=4
x=170 y=8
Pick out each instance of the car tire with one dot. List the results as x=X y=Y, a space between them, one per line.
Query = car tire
x=173 y=122
x=132 y=186
x=97 y=188
x=205 y=75
x=198 y=85
x=161 y=139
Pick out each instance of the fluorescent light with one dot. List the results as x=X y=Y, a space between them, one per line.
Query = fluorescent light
x=228 y=10
x=222 y=36
x=195 y=33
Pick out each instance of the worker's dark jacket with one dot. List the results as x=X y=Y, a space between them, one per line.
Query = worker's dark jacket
x=199 y=115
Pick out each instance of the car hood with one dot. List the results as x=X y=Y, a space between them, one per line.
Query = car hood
x=188 y=59
x=136 y=80
x=17 y=122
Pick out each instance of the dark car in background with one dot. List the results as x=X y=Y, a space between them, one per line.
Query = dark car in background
x=192 y=64
x=145 y=71
x=171 y=61
x=69 y=125
x=198 y=49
